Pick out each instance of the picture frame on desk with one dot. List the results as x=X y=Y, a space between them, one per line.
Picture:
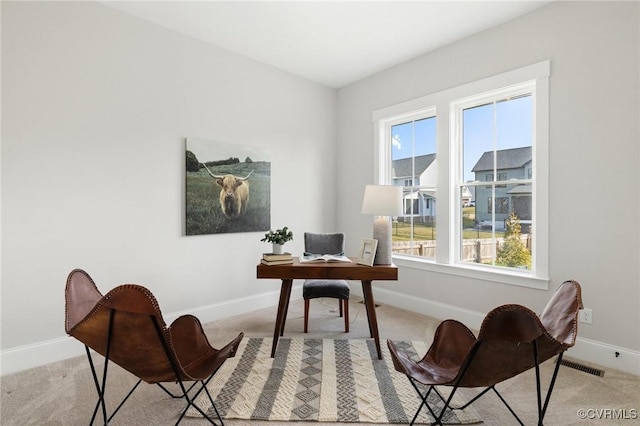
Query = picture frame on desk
x=367 y=251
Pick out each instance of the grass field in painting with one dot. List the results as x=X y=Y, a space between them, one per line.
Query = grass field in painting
x=203 y=212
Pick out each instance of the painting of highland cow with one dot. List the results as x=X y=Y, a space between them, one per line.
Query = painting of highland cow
x=228 y=188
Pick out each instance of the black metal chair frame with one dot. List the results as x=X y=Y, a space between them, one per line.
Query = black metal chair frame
x=185 y=392
x=542 y=409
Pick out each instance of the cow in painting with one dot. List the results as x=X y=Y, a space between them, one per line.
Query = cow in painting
x=234 y=193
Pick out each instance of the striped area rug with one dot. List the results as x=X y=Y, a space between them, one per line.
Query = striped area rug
x=322 y=380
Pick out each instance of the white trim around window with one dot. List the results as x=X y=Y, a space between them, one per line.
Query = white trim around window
x=537 y=75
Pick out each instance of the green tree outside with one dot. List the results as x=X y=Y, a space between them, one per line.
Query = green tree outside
x=513 y=253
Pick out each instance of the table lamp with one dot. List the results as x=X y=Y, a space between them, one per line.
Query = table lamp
x=383 y=201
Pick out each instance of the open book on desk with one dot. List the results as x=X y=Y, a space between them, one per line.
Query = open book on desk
x=309 y=257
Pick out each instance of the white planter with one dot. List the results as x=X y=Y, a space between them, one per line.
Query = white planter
x=278 y=248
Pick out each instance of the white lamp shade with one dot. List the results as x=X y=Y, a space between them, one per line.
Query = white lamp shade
x=382 y=200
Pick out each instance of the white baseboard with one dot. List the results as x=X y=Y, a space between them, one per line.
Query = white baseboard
x=605 y=355
x=29 y=356
x=586 y=350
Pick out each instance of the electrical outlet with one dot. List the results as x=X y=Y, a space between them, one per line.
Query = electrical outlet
x=586 y=316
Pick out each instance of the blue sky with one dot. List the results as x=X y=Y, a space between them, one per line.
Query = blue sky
x=513 y=130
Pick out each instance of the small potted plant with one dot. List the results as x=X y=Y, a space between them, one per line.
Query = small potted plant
x=278 y=238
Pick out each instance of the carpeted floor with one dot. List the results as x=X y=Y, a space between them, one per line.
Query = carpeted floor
x=62 y=393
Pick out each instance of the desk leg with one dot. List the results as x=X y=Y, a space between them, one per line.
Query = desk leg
x=281 y=317
x=286 y=307
x=370 y=305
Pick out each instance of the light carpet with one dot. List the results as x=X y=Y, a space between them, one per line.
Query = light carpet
x=322 y=380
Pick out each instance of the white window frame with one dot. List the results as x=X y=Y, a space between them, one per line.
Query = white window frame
x=448 y=206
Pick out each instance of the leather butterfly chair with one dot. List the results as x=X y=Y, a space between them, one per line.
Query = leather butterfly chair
x=315 y=288
x=512 y=340
x=126 y=327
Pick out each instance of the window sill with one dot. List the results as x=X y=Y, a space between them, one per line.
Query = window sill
x=474 y=272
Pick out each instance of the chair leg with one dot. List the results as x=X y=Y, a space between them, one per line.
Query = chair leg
x=423 y=402
x=551 y=385
x=507 y=405
x=185 y=393
x=343 y=305
x=346 y=314
x=173 y=395
x=306 y=314
x=191 y=401
x=100 y=402
x=447 y=403
x=100 y=388
x=542 y=409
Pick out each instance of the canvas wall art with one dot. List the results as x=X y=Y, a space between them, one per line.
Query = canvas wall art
x=228 y=188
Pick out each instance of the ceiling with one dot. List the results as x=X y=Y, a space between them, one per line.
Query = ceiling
x=333 y=43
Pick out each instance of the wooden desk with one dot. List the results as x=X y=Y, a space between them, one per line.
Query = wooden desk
x=329 y=270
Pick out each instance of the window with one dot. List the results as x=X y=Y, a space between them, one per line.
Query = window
x=496 y=139
x=476 y=158
x=500 y=206
x=413 y=166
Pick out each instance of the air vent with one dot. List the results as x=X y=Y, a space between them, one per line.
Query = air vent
x=582 y=367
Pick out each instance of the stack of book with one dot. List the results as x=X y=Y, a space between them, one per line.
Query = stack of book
x=276 y=259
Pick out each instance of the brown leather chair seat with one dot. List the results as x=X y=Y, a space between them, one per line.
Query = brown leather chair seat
x=512 y=340
x=126 y=327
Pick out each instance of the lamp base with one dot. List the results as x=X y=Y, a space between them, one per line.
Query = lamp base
x=382 y=233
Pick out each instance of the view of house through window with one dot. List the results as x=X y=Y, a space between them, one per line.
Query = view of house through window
x=473 y=164
x=496 y=186
x=414 y=167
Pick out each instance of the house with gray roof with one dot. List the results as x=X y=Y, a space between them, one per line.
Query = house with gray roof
x=510 y=164
x=420 y=203
x=421 y=172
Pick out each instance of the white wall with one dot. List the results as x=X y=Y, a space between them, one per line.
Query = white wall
x=96 y=105
x=95 y=108
x=594 y=195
